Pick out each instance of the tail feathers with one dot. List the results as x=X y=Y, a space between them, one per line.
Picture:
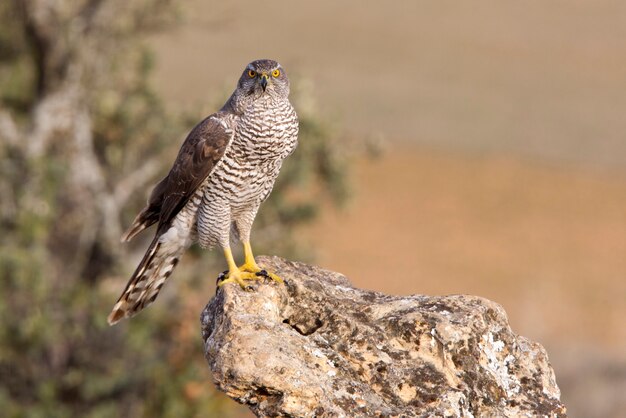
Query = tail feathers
x=145 y=219
x=134 y=229
x=144 y=285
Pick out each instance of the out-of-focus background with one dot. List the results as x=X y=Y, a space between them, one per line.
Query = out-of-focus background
x=446 y=147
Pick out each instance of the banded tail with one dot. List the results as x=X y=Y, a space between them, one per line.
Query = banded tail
x=146 y=282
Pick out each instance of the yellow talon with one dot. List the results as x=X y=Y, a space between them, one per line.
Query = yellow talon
x=251 y=266
x=249 y=270
x=274 y=277
x=235 y=275
x=239 y=277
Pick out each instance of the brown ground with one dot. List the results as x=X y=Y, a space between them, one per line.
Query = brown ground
x=517 y=191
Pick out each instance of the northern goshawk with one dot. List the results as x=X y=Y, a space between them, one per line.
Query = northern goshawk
x=224 y=170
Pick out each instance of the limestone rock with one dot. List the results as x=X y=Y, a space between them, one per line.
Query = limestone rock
x=318 y=347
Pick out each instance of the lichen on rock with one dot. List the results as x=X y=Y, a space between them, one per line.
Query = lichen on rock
x=318 y=347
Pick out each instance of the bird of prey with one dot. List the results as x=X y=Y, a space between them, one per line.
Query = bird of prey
x=225 y=168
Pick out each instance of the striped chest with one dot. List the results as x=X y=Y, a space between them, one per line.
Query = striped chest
x=263 y=137
x=267 y=131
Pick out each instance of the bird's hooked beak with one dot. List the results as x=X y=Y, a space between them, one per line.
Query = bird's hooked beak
x=264 y=80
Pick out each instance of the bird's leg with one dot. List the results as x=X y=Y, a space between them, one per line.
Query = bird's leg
x=251 y=266
x=235 y=275
x=249 y=263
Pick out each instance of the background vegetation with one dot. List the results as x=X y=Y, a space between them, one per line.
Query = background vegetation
x=83 y=136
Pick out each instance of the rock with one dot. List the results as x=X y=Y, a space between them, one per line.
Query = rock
x=318 y=347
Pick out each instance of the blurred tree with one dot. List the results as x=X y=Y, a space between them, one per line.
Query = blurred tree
x=82 y=136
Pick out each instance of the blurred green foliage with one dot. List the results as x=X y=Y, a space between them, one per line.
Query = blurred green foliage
x=59 y=276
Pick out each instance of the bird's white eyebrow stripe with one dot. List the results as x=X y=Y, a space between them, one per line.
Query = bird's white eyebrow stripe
x=278 y=66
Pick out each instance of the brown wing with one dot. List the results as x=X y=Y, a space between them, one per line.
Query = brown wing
x=202 y=149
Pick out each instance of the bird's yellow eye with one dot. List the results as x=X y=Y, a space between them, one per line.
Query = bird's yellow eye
x=275 y=73
x=251 y=73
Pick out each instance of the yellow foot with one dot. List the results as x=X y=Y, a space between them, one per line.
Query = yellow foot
x=239 y=277
x=250 y=267
x=254 y=268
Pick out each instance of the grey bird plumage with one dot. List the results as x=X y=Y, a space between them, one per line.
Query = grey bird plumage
x=225 y=169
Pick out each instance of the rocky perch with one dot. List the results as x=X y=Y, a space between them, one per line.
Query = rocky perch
x=318 y=347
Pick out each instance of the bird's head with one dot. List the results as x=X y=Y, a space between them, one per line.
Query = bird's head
x=264 y=77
